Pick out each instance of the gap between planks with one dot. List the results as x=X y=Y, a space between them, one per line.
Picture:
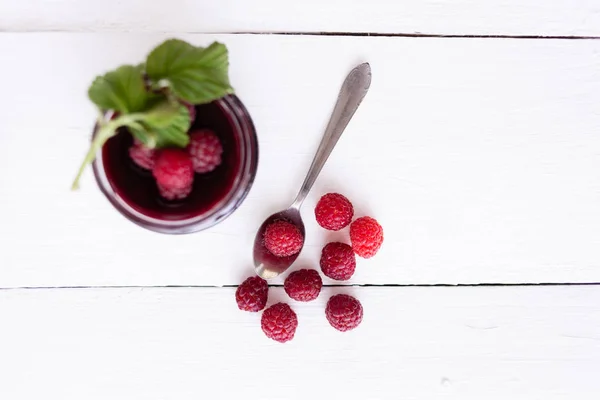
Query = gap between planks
x=390 y=285
x=415 y=35
x=301 y=33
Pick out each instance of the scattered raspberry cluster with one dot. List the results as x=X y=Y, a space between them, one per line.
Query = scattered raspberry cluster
x=279 y=321
x=338 y=261
x=174 y=168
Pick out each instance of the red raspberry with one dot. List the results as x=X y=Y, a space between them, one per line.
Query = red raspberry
x=205 y=150
x=143 y=156
x=344 y=312
x=338 y=261
x=174 y=194
x=283 y=239
x=334 y=211
x=303 y=285
x=174 y=173
x=366 y=236
x=279 y=322
x=252 y=294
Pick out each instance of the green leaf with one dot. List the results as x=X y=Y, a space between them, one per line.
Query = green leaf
x=166 y=125
x=122 y=90
x=191 y=73
x=194 y=74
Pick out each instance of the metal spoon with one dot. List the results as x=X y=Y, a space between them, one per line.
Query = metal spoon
x=353 y=90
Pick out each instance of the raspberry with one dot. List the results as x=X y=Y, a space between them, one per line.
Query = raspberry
x=338 y=261
x=279 y=322
x=283 y=239
x=303 y=285
x=344 y=312
x=174 y=173
x=141 y=155
x=334 y=211
x=174 y=193
x=366 y=236
x=252 y=294
x=205 y=150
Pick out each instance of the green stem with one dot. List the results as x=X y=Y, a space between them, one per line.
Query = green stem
x=105 y=132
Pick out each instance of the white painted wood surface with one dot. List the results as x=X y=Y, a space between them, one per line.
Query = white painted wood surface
x=449 y=17
x=414 y=343
x=480 y=157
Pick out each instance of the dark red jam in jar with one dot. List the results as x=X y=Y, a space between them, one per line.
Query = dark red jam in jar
x=215 y=195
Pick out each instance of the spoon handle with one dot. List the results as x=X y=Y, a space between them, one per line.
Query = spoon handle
x=353 y=91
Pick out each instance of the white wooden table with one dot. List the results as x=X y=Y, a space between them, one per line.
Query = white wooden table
x=477 y=148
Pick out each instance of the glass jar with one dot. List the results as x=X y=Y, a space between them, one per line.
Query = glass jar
x=215 y=195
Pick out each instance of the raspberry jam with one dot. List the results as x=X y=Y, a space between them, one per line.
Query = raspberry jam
x=215 y=195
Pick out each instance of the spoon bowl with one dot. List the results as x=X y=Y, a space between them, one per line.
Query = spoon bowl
x=353 y=90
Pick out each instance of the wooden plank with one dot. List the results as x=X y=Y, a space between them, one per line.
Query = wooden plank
x=414 y=343
x=480 y=157
x=462 y=17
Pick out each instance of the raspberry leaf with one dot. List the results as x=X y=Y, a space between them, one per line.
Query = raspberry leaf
x=195 y=74
x=175 y=70
x=121 y=90
x=166 y=125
